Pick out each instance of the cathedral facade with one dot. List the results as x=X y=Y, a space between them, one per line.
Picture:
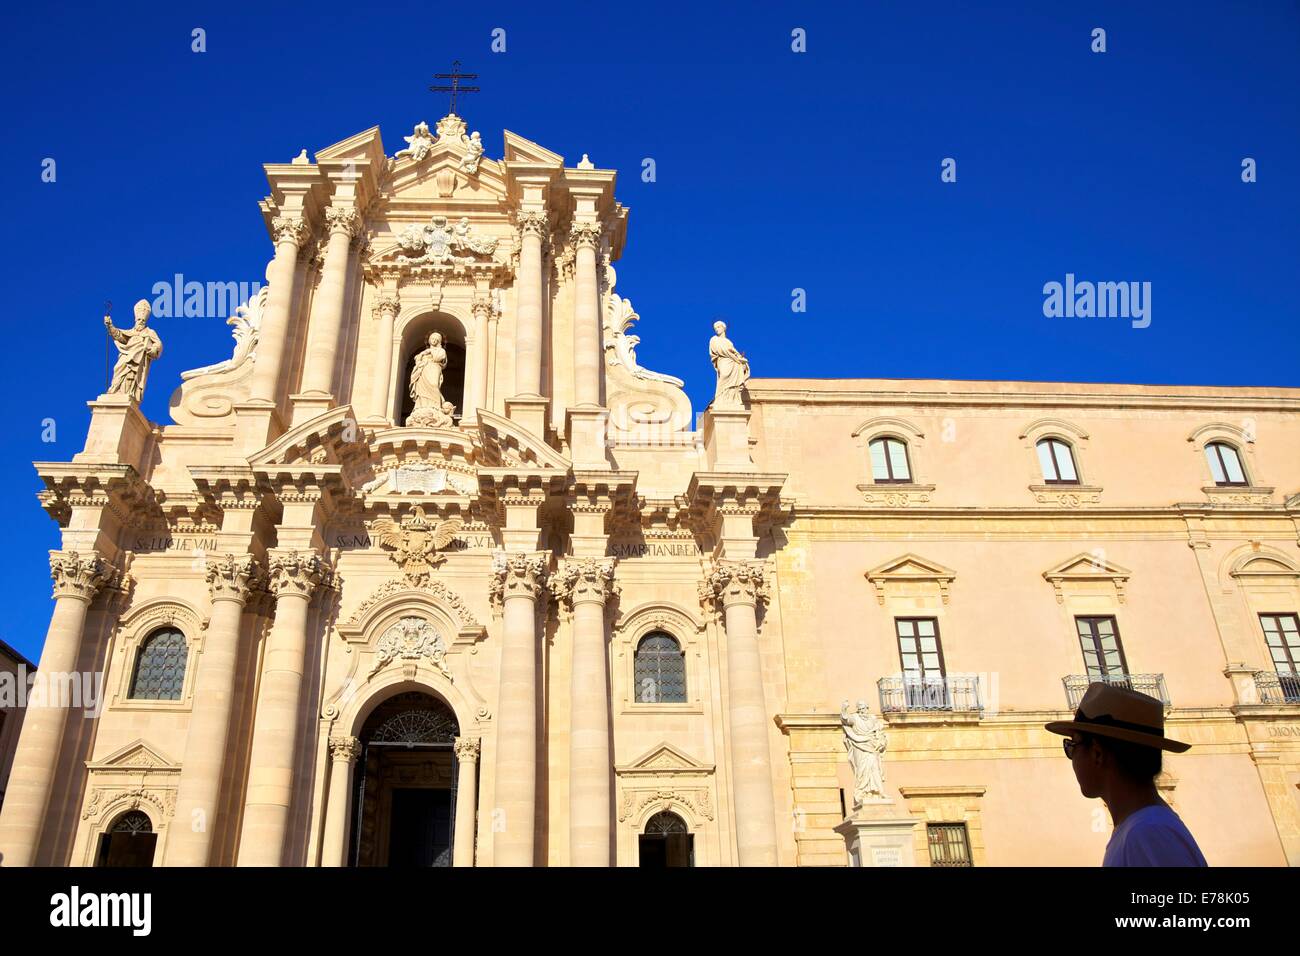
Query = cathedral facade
x=431 y=571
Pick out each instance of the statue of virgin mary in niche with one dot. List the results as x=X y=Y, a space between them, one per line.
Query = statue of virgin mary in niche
x=431 y=410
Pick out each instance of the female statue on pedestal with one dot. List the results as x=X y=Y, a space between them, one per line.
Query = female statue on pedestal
x=864 y=739
x=731 y=366
x=426 y=387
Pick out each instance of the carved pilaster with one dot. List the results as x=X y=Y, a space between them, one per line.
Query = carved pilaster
x=81 y=575
x=232 y=578
x=345 y=748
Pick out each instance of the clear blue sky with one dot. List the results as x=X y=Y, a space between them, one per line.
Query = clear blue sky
x=775 y=171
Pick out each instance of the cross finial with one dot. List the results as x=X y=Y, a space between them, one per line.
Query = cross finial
x=455 y=88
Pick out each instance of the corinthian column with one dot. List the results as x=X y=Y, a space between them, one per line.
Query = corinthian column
x=199 y=791
x=586 y=585
x=467 y=750
x=77 y=579
x=291 y=233
x=329 y=303
x=294 y=576
x=344 y=752
x=386 y=306
x=528 y=327
x=738 y=587
x=519 y=580
x=587 y=352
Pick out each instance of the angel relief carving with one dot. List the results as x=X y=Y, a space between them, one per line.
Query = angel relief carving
x=416 y=542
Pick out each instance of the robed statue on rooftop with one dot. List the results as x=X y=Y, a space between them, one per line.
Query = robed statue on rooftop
x=136 y=348
x=731 y=366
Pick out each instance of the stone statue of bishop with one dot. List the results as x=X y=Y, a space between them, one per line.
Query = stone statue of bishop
x=136 y=347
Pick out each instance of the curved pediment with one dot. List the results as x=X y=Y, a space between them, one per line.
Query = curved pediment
x=511 y=445
x=322 y=440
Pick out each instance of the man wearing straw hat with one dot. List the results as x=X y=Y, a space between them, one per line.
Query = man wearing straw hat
x=1115 y=744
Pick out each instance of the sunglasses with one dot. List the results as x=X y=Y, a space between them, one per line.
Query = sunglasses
x=1069 y=746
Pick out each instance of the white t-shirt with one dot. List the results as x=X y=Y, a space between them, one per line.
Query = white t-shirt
x=1153 y=836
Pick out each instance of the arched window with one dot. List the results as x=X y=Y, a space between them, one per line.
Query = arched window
x=160 y=666
x=1225 y=464
x=659 y=670
x=1056 y=458
x=889 y=460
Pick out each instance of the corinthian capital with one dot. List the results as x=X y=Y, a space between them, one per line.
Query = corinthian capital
x=345 y=748
x=735 y=582
x=386 y=302
x=290 y=229
x=467 y=748
x=80 y=575
x=585 y=235
x=517 y=574
x=584 y=581
x=232 y=578
x=483 y=306
x=533 y=224
x=343 y=219
x=297 y=572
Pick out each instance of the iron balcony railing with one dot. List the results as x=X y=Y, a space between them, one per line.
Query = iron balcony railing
x=1273 y=687
x=902 y=694
x=1153 y=685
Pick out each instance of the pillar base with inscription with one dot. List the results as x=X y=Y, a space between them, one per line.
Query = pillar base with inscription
x=876 y=836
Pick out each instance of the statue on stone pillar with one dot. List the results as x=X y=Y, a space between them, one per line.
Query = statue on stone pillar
x=864 y=739
x=426 y=387
x=136 y=347
x=731 y=366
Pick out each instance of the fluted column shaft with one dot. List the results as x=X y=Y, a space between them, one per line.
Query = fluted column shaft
x=330 y=303
x=528 y=326
x=344 y=752
x=587 y=352
x=198 y=793
x=275 y=730
x=77 y=579
x=386 y=307
x=272 y=341
x=738 y=587
x=467 y=751
x=519 y=580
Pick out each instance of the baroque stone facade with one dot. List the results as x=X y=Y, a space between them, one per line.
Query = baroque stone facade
x=528 y=590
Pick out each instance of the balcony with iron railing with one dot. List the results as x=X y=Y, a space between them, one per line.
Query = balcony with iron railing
x=1276 y=688
x=953 y=694
x=1153 y=685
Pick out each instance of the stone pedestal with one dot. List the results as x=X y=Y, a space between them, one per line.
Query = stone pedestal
x=877 y=836
x=726 y=439
x=587 y=427
x=529 y=412
x=118 y=432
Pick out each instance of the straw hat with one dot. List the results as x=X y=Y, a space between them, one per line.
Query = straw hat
x=1124 y=714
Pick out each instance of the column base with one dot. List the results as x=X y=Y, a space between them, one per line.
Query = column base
x=530 y=412
x=874 y=836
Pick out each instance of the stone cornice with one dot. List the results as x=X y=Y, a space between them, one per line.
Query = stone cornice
x=119 y=489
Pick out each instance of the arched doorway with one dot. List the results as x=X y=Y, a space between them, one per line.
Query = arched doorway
x=405 y=784
x=128 y=841
x=415 y=338
x=666 y=842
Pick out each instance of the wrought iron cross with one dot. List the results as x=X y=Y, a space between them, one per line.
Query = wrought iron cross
x=455 y=88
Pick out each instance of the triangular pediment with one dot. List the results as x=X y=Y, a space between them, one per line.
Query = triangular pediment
x=365 y=145
x=664 y=759
x=520 y=150
x=136 y=755
x=1085 y=565
x=911 y=567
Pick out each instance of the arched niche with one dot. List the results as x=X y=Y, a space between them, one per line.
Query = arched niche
x=413 y=338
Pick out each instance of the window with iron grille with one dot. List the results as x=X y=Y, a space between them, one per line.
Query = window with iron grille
x=160 y=666
x=659 y=670
x=889 y=460
x=921 y=657
x=1225 y=464
x=1102 y=654
x=1282 y=634
x=1056 y=458
x=949 y=845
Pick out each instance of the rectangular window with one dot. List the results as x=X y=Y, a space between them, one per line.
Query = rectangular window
x=949 y=845
x=1102 y=654
x=921 y=657
x=1282 y=634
